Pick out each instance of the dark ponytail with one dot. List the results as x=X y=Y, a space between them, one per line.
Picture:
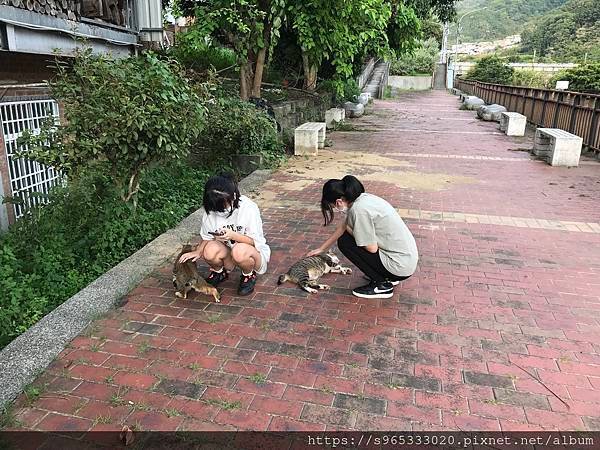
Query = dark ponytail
x=221 y=191
x=348 y=188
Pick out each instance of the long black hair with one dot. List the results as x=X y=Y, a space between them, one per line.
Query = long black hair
x=348 y=188
x=221 y=192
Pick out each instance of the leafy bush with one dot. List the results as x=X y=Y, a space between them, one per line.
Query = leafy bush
x=491 y=69
x=583 y=78
x=529 y=78
x=59 y=248
x=195 y=50
x=236 y=127
x=422 y=61
x=125 y=115
x=341 y=90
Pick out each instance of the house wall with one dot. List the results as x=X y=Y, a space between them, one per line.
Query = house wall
x=21 y=68
x=31 y=32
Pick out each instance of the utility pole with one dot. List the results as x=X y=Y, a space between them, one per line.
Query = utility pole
x=444 y=51
x=459 y=29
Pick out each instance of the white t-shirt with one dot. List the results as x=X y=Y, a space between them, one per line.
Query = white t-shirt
x=244 y=220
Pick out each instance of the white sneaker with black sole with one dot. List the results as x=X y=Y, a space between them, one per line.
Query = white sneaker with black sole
x=393 y=283
x=383 y=289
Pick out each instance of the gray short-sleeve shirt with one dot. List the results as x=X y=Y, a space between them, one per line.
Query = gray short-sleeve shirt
x=374 y=221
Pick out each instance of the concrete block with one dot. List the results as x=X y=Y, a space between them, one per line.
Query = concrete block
x=490 y=113
x=333 y=116
x=354 y=109
x=513 y=124
x=364 y=98
x=309 y=138
x=472 y=103
x=416 y=83
x=558 y=147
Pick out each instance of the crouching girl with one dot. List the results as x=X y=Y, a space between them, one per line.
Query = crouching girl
x=232 y=235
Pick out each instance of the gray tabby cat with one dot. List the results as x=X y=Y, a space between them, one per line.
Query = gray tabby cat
x=308 y=270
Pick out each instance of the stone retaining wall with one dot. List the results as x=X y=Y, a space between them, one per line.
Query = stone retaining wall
x=418 y=83
x=293 y=113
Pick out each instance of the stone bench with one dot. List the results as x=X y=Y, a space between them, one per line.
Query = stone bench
x=558 y=147
x=309 y=138
x=513 y=124
x=334 y=115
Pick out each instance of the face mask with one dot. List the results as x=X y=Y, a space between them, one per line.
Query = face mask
x=223 y=213
x=342 y=210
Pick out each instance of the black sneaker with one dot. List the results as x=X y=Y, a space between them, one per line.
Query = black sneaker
x=247 y=283
x=375 y=290
x=394 y=283
x=216 y=278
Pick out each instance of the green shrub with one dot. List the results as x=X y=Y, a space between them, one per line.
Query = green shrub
x=529 y=78
x=59 y=248
x=125 y=114
x=421 y=61
x=198 y=52
x=236 y=127
x=491 y=69
x=341 y=90
x=583 y=78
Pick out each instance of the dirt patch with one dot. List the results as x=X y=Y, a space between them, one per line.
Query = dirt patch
x=303 y=173
x=419 y=181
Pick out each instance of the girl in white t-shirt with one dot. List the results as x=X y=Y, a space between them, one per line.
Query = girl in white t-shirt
x=232 y=235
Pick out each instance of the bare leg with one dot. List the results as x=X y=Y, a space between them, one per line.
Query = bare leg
x=246 y=257
x=218 y=255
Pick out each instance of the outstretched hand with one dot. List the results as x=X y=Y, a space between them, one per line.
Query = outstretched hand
x=315 y=252
x=189 y=256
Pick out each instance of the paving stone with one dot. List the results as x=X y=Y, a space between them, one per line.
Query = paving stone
x=414 y=382
x=143 y=328
x=328 y=415
x=485 y=379
x=364 y=404
x=499 y=282
x=182 y=388
x=522 y=399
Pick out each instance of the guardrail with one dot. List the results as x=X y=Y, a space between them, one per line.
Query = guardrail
x=575 y=112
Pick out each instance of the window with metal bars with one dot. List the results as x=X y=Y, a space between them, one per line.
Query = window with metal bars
x=30 y=181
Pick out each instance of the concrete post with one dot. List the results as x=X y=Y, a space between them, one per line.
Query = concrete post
x=3 y=208
x=334 y=115
x=513 y=124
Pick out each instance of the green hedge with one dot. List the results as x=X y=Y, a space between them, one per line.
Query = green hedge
x=583 y=78
x=421 y=61
x=236 y=127
x=85 y=230
x=491 y=69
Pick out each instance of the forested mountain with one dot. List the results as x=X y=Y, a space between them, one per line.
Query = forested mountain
x=569 y=33
x=500 y=18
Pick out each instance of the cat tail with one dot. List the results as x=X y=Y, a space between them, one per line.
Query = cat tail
x=283 y=278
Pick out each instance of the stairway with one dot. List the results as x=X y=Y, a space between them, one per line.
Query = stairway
x=378 y=77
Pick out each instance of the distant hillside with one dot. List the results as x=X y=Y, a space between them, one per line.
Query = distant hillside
x=569 y=33
x=500 y=18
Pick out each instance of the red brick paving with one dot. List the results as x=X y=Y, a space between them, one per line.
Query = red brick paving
x=495 y=317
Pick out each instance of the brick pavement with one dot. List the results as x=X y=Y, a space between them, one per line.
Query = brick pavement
x=498 y=330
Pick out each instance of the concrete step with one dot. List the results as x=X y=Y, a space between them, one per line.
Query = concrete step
x=372 y=86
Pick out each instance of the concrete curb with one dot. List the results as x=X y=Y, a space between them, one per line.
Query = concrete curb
x=29 y=354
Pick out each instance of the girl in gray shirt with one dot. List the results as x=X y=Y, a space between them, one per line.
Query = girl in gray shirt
x=372 y=236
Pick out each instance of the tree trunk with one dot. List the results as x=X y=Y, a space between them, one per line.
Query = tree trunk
x=246 y=80
x=310 y=73
x=258 y=72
